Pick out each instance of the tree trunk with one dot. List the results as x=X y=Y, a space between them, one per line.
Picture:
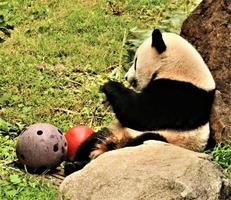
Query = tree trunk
x=208 y=28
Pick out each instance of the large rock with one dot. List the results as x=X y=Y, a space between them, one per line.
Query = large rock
x=153 y=170
x=208 y=28
x=220 y=120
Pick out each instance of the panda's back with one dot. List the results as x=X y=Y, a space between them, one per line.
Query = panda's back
x=183 y=62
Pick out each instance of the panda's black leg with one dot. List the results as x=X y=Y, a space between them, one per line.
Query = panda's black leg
x=71 y=167
x=144 y=137
x=106 y=142
x=81 y=157
x=94 y=146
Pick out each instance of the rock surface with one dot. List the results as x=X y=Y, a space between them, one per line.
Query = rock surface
x=220 y=120
x=208 y=28
x=154 y=170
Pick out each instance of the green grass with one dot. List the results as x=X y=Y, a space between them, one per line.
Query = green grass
x=222 y=155
x=60 y=53
x=52 y=66
x=20 y=186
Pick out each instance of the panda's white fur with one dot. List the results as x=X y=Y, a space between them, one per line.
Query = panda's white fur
x=180 y=61
x=195 y=140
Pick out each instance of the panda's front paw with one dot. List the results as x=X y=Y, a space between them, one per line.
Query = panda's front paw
x=111 y=86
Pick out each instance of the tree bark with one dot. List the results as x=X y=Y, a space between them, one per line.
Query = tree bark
x=208 y=28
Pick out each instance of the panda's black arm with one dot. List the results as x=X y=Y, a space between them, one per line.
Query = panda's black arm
x=144 y=111
x=119 y=96
x=126 y=104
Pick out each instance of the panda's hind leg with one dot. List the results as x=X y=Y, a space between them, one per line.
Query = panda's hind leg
x=106 y=142
x=111 y=138
x=98 y=143
x=144 y=137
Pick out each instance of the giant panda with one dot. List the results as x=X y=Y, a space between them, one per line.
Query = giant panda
x=172 y=100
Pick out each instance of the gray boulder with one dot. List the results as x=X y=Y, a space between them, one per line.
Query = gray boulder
x=153 y=170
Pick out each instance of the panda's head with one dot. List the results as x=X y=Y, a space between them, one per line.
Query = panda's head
x=169 y=56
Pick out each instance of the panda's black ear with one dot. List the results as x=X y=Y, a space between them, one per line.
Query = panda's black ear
x=157 y=41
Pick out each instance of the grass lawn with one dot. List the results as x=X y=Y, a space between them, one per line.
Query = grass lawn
x=52 y=66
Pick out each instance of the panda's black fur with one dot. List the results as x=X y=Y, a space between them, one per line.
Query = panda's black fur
x=162 y=104
x=174 y=105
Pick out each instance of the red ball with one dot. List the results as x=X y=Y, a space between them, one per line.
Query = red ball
x=75 y=137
